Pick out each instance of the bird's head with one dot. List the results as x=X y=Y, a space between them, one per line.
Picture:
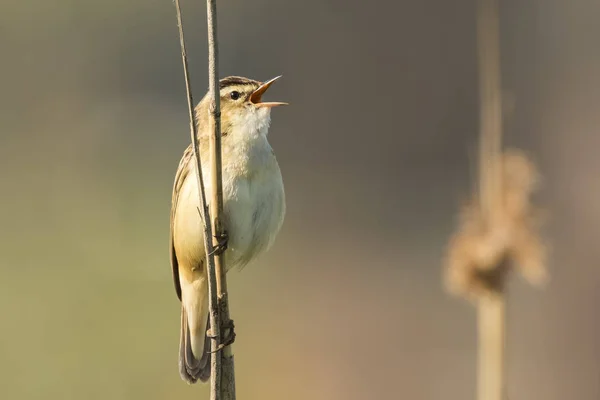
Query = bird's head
x=242 y=107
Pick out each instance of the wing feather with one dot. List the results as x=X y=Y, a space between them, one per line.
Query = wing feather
x=182 y=173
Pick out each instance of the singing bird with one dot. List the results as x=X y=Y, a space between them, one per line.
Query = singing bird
x=253 y=208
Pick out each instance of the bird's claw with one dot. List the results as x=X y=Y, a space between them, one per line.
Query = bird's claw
x=221 y=246
x=226 y=340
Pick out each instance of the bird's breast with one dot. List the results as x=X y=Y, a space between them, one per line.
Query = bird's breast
x=253 y=204
x=254 y=208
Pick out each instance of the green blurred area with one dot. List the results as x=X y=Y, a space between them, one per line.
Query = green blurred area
x=376 y=152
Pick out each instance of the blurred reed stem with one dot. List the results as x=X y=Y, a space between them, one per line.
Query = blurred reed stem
x=491 y=332
x=498 y=228
x=491 y=311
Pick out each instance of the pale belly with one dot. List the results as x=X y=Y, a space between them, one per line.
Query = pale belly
x=253 y=208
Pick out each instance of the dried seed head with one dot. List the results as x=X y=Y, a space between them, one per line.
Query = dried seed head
x=487 y=245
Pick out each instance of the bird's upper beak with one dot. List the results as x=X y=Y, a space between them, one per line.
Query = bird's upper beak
x=256 y=96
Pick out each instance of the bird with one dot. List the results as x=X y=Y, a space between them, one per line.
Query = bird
x=253 y=207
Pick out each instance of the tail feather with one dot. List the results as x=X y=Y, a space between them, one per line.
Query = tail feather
x=191 y=368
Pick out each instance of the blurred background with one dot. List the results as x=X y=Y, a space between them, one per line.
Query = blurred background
x=377 y=151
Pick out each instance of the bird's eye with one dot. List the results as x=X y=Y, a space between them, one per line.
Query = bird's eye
x=234 y=95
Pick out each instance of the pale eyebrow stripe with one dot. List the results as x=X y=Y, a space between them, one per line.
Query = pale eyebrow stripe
x=230 y=89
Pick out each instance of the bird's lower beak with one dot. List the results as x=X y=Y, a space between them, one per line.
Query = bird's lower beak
x=256 y=96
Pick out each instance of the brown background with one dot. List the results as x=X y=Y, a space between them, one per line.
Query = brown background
x=377 y=151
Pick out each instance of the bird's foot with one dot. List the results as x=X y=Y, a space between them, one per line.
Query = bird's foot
x=228 y=335
x=221 y=246
x=227 y=338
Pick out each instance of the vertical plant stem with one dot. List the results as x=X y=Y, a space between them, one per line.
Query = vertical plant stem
x=491 y=315
x=491 y=318
x=205 y=217
x=490 y=97
x=226 y=378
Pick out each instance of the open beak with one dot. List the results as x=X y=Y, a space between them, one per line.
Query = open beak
x=256 y=96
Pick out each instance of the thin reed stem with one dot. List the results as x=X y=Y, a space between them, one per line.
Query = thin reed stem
x=491 y=330
x=490 y=97
x=498 y=230
x=224 y=381
x=491 y=314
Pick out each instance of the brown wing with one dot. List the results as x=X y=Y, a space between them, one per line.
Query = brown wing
x=182 y=172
